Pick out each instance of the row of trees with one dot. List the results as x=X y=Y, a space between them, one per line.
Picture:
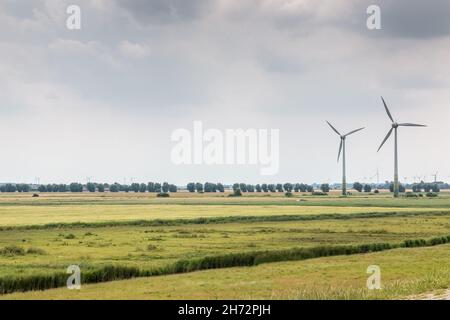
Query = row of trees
x=93 y=187
x=207 y=187
x=426 y=187
x=20 y=187
x=287 y=187
x=165 y=187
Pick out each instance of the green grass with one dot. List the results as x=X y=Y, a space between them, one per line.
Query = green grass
x=404 y=273
x=117 y=236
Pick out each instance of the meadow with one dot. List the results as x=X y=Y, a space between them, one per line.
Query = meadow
x=260 y=245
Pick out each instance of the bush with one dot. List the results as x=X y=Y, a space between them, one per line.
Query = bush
x=288 y=194
x=236 y=193
x=12 y=251
x=376 y=191
x=411 y=195
x=431 y=194
x=35 y=251
x=319 y=193
x=163 y=195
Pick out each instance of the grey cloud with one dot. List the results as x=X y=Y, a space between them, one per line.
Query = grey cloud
x=165 y=11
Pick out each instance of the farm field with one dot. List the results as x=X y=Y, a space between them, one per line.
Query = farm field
x=118 y=236
x=406 y=273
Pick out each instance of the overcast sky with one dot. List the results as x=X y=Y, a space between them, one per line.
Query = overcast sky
x=102 y=102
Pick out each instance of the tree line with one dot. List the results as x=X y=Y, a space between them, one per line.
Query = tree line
x=155 y=187
x=165 y=187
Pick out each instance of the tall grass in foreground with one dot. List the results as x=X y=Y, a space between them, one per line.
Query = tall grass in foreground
x=108 y=273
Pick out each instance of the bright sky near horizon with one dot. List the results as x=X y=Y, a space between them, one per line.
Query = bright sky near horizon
x=102 y=102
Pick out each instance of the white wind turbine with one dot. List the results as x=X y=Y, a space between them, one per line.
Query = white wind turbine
x=394 y=128
x=342 y=149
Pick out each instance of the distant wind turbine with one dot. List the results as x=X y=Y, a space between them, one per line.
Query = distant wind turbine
x=342 y=149
x=394 y=128
x=435 y=176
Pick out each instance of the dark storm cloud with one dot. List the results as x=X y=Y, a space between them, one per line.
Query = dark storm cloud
x=165 y=11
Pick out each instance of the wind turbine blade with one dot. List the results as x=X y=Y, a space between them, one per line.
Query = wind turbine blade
x=352 y=132
x=387 y=110
x=340 y=150
x=334 y=129
x=385 y=139
x=411 y=125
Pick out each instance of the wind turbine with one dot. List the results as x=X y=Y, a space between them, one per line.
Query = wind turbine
x=435 y=176
x=394 y=128
x=342 y=149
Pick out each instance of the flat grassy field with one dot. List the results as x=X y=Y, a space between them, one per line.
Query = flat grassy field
x=405 y=273
x=40 y=237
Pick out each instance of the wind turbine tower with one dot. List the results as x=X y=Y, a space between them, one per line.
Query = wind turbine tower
x=342 y=149
x=395 y=125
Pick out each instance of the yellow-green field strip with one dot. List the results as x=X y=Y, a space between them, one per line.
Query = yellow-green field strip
x=226 y=219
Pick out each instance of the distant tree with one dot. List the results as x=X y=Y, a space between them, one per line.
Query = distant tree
x=264 y=187
x=210 y=187
x=2 y=188
x=427 y=187
x=63 y=187
x=101 y=187
x=297 y=187
x=279 y=187
x=90 y=187
x=325 y=187
x=76 y=187
x=358 y=186
x=173 y=188
x=435 y=188
x=236 y=186
x=191 y=187
x=157 y=187
x=401 y=188
x=151 y=187
x=42 y=188
x=367 y=188
x=250 y=188
x=134 y=187
x=114 y=188
x=19 y=187
x=271 y=187
x=220 y=187
x=199 y=187
x=309 y=188
x=243 y=187
x=288 y=187
x=258 y=188
x=142 y=187
x=165 y=187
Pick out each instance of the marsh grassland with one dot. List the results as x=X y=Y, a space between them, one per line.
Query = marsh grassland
x=210 y=246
